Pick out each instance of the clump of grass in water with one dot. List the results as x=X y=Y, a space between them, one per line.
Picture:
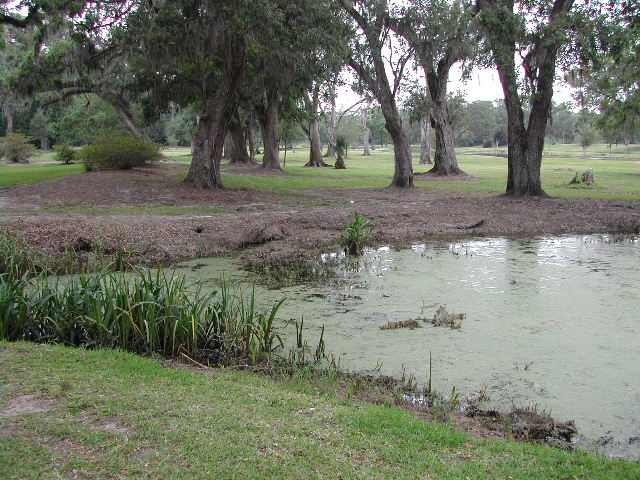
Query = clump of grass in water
x=357 y=235
x=147 y=313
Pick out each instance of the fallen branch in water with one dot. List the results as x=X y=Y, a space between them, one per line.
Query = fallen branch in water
x=462 y=226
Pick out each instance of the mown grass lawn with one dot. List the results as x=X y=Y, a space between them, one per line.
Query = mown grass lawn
x=617 y=172
x=111 y=414
x=34 y=172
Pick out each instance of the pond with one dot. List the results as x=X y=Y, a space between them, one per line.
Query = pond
x=551 y=323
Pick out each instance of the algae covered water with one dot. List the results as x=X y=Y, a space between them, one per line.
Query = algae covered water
x=552 y=323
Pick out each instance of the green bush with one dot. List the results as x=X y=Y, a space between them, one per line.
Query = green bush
x=17 y=147
x=65 y=153
x=118 y=150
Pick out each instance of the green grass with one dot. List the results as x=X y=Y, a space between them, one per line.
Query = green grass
x=34 y=172
x=117 y=415
x=617 y=177
x=617 y=174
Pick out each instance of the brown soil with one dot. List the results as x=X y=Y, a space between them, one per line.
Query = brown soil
x=306 y=223
x=27 y=404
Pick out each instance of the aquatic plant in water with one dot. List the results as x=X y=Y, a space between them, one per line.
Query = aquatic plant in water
x=357 y=235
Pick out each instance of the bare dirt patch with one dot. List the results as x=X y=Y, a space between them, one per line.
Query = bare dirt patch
x=110 y=424
x=8 y=431
x=27 y=404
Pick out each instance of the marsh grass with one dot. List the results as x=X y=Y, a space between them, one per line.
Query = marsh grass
x=145 y=312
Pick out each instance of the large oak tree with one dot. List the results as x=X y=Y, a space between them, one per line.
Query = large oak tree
x=382 y=78
x=534 y=31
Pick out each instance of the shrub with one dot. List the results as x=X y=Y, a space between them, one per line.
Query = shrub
x=118 y=150
x=17 y=147
x=358 y=233
x=65 y=153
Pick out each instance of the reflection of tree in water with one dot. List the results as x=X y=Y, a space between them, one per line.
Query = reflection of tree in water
x=522 y=273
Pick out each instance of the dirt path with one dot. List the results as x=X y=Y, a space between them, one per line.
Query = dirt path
x=280 y=225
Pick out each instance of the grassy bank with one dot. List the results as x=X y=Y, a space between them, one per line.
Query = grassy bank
x=109 y=414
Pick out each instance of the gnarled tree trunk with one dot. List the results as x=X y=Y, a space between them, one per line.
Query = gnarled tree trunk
x=204 y=171
x=7 y=112
x=445 y=161
x=380 y=87
x=525 y=144
x=403 y=173
x=213 y=124
x=425 y=141
x=236 y=132
x=315 y=149
x=268 y=118
x=227 y=151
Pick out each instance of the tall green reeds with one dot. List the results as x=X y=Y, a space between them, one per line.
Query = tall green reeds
x=145 y=312
x=18 y=261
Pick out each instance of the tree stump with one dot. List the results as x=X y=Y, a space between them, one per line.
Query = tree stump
x=340 y=163
x=587 y=177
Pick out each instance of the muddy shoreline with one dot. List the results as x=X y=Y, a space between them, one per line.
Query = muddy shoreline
x=255 y=225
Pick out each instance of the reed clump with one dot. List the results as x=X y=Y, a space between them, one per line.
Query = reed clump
x=145 y=312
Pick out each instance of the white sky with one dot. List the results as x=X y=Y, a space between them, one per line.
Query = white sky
x=484 y=84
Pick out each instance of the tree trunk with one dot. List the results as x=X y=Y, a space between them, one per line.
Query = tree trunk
x=228 y=150
x=366 y=142
x=269 y=126
x=526 y=144
x=8 y=117
x=204 y=171
x=44 y=144
x=315 y=150
x=250 y=140
x=127 y=119
x=331 y=150
x=425 y=141
x=445 y=161
x=332 y=126
x=240 y=155
x=366 y=134
x=124 y=113
x=403 y=173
